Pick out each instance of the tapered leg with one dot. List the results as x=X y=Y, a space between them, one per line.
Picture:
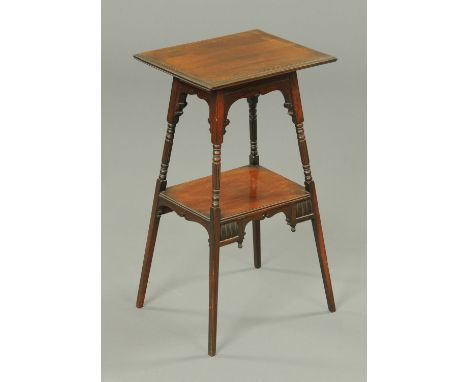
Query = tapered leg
x=294 y=106
x=149 y=250
x=177 y=103
x=213 y=280
x=215 y=236
x=254 y=160
x=322 y=253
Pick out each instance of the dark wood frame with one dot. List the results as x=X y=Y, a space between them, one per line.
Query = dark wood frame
x=225 y=231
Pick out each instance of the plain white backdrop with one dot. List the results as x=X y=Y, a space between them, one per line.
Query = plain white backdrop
x=50 y=192
x=417 y=191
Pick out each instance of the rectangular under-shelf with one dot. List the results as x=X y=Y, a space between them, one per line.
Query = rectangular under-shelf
x=243 y=190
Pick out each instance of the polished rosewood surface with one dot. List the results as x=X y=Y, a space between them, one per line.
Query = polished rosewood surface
x=243 y=189
x=233 y=59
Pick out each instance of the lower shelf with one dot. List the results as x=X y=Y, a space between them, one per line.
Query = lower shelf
x=244 y=190
x=246 y=193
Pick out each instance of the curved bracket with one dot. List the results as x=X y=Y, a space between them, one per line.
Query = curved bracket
x=230 y=95
x=261 y=87
x=168 y=205
x=192 y=90
x=189 y=217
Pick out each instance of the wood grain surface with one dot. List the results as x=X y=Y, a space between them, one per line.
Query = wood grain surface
x=242 y=189
x=233 y=59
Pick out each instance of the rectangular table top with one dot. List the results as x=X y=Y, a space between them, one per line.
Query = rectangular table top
x=233 y=59
x=243 y=190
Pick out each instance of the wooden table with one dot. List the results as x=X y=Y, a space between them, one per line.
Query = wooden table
x=221 y=71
